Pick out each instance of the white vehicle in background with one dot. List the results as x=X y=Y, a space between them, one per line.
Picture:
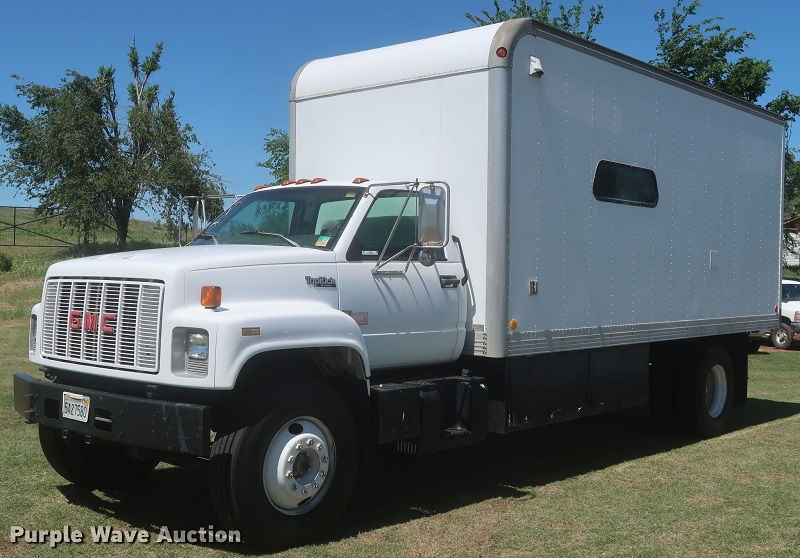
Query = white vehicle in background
x=783 y=335
x=551 y=230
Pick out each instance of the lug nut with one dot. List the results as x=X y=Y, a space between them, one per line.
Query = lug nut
x=305 y=491
x=324 y=459
x=291 y=459
x=294 y=487
x=316 y=485
x=299 y=447
x=323 y=473
x=319 y=447
x=290 y=474
x=310 y=442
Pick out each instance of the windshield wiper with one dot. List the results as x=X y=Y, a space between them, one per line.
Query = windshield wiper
x=208 y=235
x=278 y=235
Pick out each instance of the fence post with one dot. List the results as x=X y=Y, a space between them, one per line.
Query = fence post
x=14 y=229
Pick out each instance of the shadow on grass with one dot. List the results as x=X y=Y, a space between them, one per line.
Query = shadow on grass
x=398 y=489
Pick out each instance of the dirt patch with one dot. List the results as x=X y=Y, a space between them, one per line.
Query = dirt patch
x=769 y=349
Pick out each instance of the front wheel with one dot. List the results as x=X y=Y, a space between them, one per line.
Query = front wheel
x=286 y=478
x=782 y=337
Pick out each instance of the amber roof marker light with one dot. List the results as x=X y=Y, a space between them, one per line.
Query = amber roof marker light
x=501 y=52
x=360 y=180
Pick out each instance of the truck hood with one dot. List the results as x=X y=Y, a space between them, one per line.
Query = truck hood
x=168 y=262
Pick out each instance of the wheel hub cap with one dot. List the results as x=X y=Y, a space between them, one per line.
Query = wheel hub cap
x=298 y=465
x=716 y=391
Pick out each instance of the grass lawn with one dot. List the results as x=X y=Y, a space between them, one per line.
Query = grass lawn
x=605 y=486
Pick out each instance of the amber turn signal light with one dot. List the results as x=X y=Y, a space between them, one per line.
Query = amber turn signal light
x=211 y=297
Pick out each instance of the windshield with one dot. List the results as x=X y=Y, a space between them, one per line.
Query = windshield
x=311 y=216
x=791 y=292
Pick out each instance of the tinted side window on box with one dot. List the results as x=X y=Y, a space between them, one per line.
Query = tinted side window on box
x=619 y=183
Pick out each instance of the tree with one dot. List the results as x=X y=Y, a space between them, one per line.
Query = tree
x=79 y=156
x=569 y=19
x=702 y=52
x=276 y=145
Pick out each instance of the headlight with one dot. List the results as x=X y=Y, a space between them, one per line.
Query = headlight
x=32 y=334
x=197 y=345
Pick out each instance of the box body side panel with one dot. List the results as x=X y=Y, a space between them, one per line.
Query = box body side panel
x=610 y=273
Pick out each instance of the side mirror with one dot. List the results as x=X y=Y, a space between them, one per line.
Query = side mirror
x=433 y=216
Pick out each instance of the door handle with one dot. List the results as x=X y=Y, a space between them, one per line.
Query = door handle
x=449 y=281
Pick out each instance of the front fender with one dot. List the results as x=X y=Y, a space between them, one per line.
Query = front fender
x=288 y=324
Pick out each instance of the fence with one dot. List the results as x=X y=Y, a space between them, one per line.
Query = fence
x=21 y=226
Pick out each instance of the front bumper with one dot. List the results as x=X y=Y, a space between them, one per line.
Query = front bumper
x=135 y=421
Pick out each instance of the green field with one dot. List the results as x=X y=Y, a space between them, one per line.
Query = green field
x=605 y=486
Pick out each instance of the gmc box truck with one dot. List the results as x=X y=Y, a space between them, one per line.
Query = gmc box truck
x=485 y=232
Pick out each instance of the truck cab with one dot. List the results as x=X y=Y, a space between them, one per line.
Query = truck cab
x=285 y=305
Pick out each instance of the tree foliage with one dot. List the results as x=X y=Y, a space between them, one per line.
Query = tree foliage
x=705 y=52
x=276 y=145
x=83 y=154
x=570 y=19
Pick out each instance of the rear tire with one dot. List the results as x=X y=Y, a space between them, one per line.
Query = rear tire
x=706 y=393
x=98 y=465
x=249 y=471
x=783 y=337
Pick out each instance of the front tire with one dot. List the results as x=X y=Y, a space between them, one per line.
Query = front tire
x=99 y=465
x=783 y=337
x=269 y=482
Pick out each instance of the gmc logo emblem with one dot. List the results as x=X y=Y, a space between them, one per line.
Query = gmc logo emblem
x=89 y=321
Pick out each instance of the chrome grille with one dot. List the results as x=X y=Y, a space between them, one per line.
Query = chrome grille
x=111 y=323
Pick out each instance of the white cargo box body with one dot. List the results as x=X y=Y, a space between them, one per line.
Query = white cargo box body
x=520 y=152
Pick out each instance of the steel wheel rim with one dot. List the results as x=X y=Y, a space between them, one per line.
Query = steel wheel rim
x=780 y=336
x=716 y=391
x=298 y=465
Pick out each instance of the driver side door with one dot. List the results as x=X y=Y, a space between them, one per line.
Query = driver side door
x=408 y=312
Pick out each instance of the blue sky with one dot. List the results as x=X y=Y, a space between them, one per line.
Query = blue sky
x=230 y=63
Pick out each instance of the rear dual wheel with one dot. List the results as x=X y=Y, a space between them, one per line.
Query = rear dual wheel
x=692 y=390
x=710 y=393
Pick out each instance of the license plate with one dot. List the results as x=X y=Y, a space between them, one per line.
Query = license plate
x=75 y=407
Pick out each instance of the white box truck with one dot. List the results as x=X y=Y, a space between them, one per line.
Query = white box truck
x=485 y=231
